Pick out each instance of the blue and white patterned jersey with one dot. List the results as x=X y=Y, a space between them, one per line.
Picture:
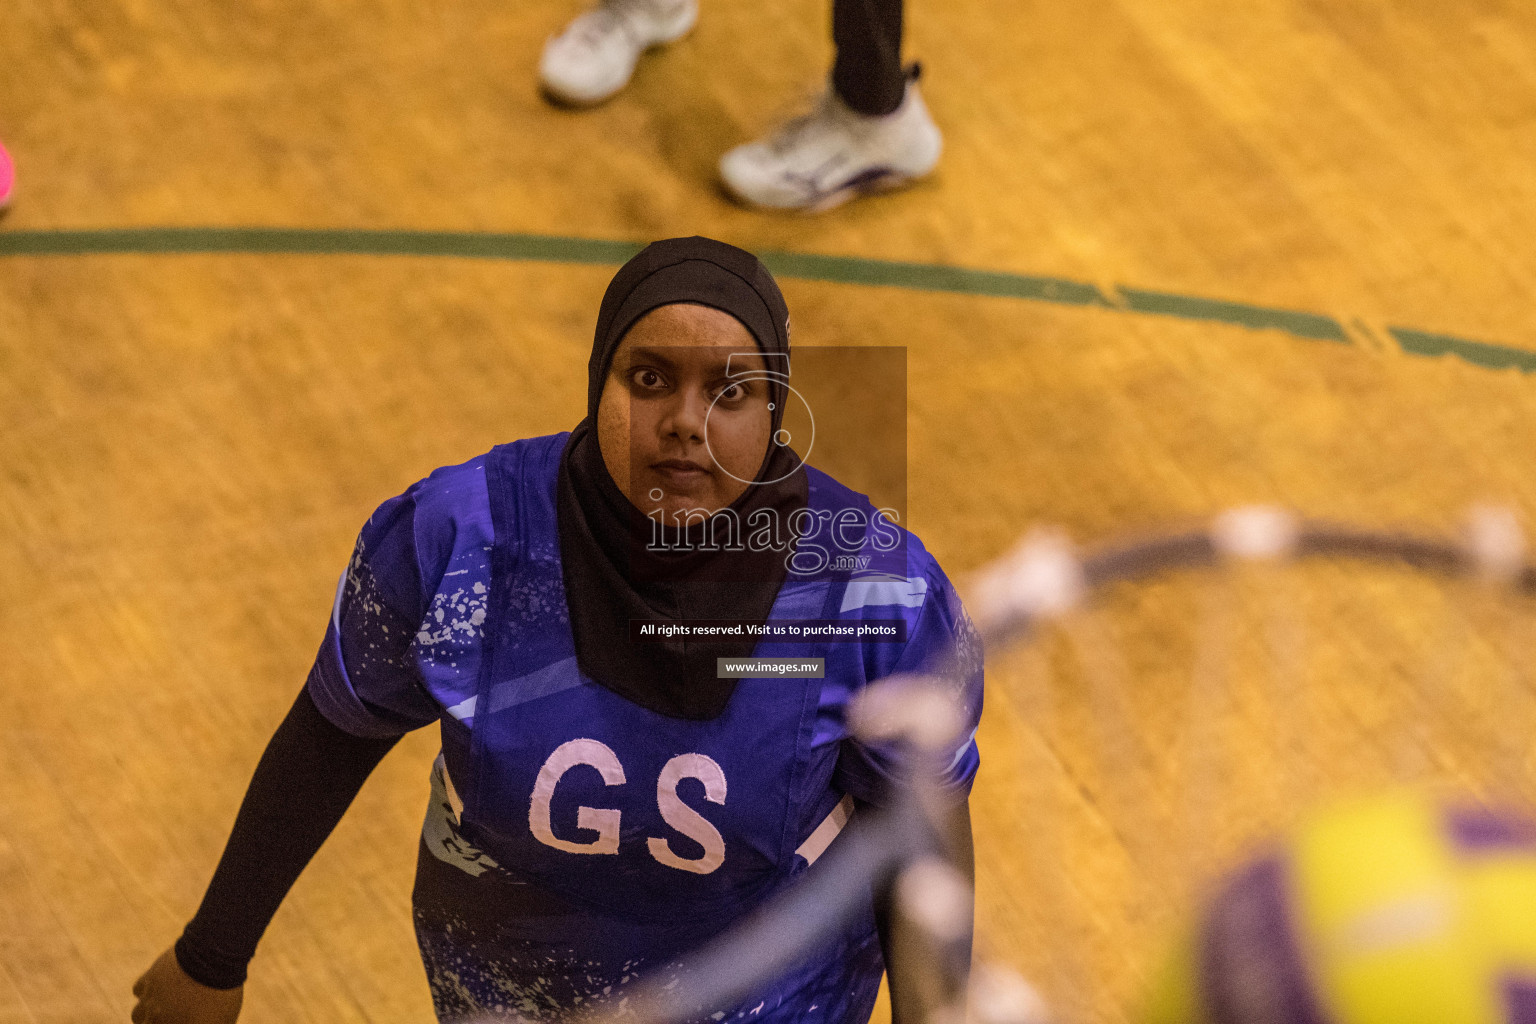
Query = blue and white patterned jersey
x=648 y=833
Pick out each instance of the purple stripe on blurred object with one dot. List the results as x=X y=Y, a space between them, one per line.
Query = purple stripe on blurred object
x=1519 y=999
x=1251 y=969
x=1474 y=829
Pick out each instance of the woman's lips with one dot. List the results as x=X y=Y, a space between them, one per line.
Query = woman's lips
x=679 y=471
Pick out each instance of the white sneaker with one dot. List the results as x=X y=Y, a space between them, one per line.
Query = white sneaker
x=832 y=154
x=595 y=56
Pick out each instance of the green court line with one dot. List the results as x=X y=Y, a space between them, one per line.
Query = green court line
x=1479 y=353
x=806 y=266
x=932 y=277
x=540 y=248
x=1187 y=307
x=309 y=241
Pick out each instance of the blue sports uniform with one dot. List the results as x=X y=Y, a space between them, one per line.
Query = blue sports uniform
x=576 y=840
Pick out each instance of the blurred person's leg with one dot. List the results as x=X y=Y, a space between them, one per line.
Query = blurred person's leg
x=867 y=73
x=596 y=54
x=869 y=132
x=7 y=177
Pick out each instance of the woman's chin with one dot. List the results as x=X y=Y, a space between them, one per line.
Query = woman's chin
x=672 y=495
x=674 y=508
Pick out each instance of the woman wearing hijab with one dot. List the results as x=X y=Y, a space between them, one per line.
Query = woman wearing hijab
x=602 y=803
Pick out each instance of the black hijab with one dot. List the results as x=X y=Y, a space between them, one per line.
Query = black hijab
x=612 y=572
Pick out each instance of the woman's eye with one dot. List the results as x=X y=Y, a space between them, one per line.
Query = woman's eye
x=648 y=379
x=735 y=392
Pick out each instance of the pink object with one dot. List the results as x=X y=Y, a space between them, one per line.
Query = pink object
x=7 y=176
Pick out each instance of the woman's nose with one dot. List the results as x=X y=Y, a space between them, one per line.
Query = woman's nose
x=686 y=416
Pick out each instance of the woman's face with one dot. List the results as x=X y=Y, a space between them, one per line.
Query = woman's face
x=676 y=432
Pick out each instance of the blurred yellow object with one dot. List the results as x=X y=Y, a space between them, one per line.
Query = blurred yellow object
x=1398 y=909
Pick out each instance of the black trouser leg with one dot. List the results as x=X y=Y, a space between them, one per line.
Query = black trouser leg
x=868 y=74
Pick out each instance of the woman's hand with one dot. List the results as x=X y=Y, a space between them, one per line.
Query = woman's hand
x=168 y=996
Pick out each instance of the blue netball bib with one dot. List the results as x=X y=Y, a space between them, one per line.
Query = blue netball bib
x=621 y=810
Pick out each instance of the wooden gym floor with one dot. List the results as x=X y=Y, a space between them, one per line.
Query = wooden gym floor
x=1277 y=217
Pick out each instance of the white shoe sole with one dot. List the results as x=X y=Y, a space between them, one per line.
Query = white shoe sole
x=869 y=183
x=890 y=181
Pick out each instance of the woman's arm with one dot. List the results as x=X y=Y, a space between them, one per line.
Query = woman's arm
x=305 y=781
x=906 y=963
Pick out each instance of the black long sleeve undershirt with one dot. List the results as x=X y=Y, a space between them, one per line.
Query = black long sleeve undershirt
x=304 y=783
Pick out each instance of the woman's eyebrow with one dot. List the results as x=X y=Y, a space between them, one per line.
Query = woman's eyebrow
x=721 y=361
x=650 y=355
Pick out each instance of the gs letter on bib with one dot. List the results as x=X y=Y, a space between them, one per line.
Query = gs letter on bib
x=684 y=818
x=605 y=820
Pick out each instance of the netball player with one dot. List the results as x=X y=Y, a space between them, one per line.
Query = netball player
x=601 y=805
x=870 y=130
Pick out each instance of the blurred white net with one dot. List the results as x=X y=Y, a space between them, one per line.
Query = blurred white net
x=1203 y=690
